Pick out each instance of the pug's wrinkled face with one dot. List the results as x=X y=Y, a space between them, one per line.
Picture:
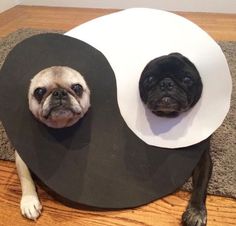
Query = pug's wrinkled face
x=58 y=96
x=169 y=85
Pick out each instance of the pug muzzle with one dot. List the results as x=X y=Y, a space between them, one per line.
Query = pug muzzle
x=170 y=84
x=60 y=105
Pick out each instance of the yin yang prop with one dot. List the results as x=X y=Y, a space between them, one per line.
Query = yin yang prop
x=103 y=160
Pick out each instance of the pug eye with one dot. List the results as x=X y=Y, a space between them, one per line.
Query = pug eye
x=77 y=88
x=149 y=80
x=39 y=93
x=187 y=81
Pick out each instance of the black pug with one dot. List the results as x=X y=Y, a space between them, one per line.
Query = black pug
x=170 y=85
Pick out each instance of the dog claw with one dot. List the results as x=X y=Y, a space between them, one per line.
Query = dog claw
x=194 y=216
x=30 y=207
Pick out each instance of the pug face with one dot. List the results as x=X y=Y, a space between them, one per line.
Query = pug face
x=58 y=96
x=169 y=85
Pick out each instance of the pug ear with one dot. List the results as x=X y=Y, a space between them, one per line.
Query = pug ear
x=142 y=92
x=179 y=57
x=146 y=71
x=182 y=58
x=176 y=54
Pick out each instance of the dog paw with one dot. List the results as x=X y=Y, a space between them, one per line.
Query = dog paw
x=30 y=207
x=194 y=216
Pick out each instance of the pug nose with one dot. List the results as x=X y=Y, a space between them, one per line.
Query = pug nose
x=60 y=94
x=166 y=84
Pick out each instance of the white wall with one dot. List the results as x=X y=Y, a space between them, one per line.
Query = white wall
x=222 y=6
x=7 y=4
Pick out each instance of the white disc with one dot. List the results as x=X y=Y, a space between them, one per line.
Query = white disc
x=129 y=40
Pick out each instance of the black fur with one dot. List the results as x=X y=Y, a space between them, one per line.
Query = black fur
x=196 y=213
x=170 y=85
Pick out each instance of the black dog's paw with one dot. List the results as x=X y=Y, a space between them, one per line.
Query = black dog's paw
x=194 y=216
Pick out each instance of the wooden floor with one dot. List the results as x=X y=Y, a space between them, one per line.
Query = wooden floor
x=164 y=212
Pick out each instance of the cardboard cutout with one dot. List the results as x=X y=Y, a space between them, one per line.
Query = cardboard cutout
x=100 y=161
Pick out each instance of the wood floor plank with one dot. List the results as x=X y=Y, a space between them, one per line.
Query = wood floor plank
x=219 y=26
x=164 y=212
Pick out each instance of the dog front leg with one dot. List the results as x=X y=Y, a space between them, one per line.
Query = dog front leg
x=196 y=213
x=30 y=205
